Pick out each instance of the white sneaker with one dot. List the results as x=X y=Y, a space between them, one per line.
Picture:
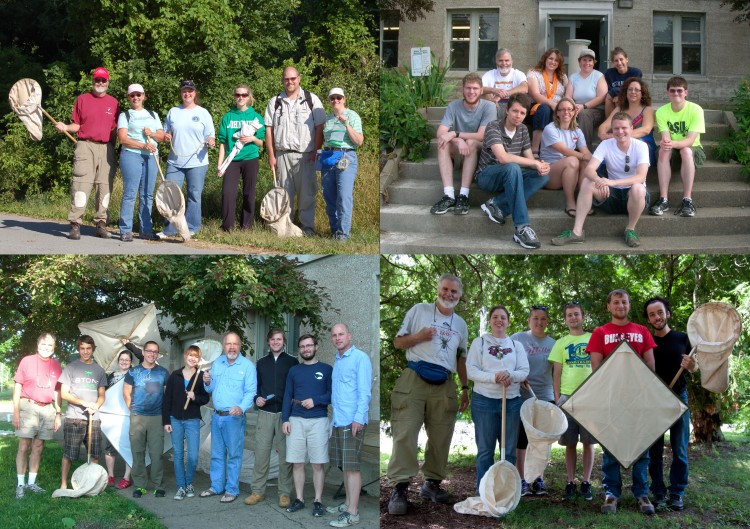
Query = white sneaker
x=33 y=487
x=345 y=519
x=190 y=491
x=338 y=509
x=180 y=494
x=20 y=492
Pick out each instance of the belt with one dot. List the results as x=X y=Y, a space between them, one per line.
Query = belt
x=338 y=149
x=94 y=141
x=221 y=413
x=42 y=404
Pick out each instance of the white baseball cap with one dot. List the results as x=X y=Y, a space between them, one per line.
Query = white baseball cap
x=336 y=92
x=135 y=88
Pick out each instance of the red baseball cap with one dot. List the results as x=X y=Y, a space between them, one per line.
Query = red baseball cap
x=101 y=72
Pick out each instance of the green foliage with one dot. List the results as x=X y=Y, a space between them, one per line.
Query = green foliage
x=739 y=6
x=401 y=125
x=409 y=9
x=432 y=90
x=736 y=146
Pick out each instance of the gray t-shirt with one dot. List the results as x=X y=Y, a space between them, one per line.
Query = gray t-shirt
x=83 y=381
x=540 y=370
x=458 y=119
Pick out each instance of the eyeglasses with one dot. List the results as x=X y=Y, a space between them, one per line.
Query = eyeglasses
x=152 y=351
x=135 y=94
x=335 y=98
x=634 y=90
x=566 y=109
x=289 y=79
x=303 y=347
x=676 y=91
x=101 y=80
x=241 y=95
x=539 y=307
x=627 y=161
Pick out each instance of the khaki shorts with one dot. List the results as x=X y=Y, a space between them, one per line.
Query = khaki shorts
x=36 y=421
x=309 y=438
x=699 y=156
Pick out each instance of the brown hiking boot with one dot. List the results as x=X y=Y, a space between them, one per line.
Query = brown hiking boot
x=101 y=230
x=75 y=231
x=254 y=498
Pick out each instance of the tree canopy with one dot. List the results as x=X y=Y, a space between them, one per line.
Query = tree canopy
x=55 y=293
x=518 y=282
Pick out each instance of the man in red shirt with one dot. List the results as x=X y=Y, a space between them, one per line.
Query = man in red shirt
x=95 y=123
x=36 y=409
x=604 y=340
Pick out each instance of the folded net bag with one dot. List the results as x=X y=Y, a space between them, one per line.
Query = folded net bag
x=544 y=423
x=171 y=205
x=25 y=99
x=275 y=210
x=713 y=330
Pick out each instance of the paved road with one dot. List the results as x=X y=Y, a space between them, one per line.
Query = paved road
x=27 y=235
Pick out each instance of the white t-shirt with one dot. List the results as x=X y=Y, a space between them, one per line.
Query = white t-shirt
x=572 y=139
x=450 y=337
x=494 y=79
x=615 y=158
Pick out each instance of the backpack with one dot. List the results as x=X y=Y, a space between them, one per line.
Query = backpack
x=305 y=95
x=127 y=114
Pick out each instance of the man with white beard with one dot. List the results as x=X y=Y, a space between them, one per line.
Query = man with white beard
x=502 y=82
x=36 y=409
x=434 y=338
x=231 y=382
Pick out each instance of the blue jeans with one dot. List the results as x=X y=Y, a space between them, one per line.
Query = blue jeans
x=612 y=481
x=542 y=117
x=679 y=435
x=227 y=442
x=518 y=185
x=338 y=191
x=189 y=430
x=195 y=177
x=138 y=178
x=487 y=416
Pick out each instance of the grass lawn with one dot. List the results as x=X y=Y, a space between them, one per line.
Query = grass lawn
x=39 y=511
x=716 y=496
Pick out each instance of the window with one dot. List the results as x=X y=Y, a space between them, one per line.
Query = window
x=389 y=38
x=678 y=43
x=473 y=40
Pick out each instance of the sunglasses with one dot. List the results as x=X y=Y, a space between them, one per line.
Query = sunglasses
x=539 y=307
x=335 y=98
x=241 y=95
x=135 y=94
x=101 y=80
x=676 y=90
x=627 y=161
x=289 y=79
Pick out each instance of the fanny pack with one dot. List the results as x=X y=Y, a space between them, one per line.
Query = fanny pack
x=330 y=158
x=430 y=373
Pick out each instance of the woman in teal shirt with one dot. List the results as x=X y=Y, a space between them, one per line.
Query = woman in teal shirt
x=244 y=125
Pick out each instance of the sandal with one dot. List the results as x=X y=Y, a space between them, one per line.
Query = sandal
x=208 y=493
x=124 y=483
x=227 y=498
x=571 y=212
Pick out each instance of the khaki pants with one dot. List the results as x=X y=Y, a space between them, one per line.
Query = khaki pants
x=147 y=432
x=415 y=402
x=268 y=437
x=297 y=175
x=93 y=165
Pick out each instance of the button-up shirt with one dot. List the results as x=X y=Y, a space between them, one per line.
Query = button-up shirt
x=352 y=380
x=232 y=384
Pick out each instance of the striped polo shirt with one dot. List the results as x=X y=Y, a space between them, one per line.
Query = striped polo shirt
x=495 y=134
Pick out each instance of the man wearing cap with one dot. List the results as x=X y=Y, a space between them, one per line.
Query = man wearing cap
x=36 y=409
x=294 y=132
x=588 y=89
x=94 y=121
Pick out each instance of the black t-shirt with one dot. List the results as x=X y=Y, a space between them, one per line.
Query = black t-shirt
x=668 y=356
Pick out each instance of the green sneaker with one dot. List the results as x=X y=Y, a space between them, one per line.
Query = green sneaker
x=569 y=237
x=631 y=239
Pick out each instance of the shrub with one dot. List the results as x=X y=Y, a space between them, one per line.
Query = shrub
x=736 y=146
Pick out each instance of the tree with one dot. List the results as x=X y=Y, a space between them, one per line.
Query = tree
x=55 y=293
x=741 y=6
x=410 y=9
x=521 y=281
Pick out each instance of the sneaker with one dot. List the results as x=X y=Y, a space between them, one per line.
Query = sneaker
x=255 y=498
x=20 y=492
x=161 y=236
x=75 y=231
x=609 y=505
x=341 y=508
x=493 y=212
x=568 y=237
x=686 y=209
x=33 y=487
x=124 y=483
x=632 y=239
x=659 y=501
x=526 y=237
x=398 y=504
x=462 y=205
x=159 y=493
x=297 y=505
x=345 y=519
x=570 y=490
x=525 y=489
x=111 y=481
x=676 y=503
x=127 y=237
x=431 y=491
x=180 y=495
x=139 y=492
x=645 y=505
x=444 y=205
x=538 y=487
x=586 y=491
x=284 y=501
x=149 y=237
x=101 y=230
x=659 y=207
x=318 y=509
x=190 y=491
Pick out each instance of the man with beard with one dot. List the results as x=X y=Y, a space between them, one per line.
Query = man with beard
x=305 y=421
x=604 y=340
x=143 y=391
x=36 y=409
x=232 y=383
x=671 y=355
x=502 y=82
x=460 y=133
x=507 y=166
x=272 y=371
x=94 y=121
x=82 y=385
x=434 y=338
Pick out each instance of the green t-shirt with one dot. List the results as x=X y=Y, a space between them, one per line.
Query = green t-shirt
x=570 y=351
x=335 y=133
x=231 y=123
x=679 y=124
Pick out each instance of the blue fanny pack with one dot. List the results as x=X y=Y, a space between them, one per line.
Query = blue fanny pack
x=430 y=373
x=330 y=158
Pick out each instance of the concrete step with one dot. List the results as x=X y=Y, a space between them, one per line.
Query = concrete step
x=705 y=194
x=550 y=223
x=501 y=243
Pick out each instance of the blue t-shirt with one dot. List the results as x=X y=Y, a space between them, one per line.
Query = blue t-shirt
x=615 y=79
x=190 y=129
x=148 y=389
x=139 y=120
x=308 y=381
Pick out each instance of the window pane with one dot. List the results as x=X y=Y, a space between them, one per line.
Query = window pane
x=663 y=59
x=389 y=52
x=486 y=58
x=691 y=24
x=460 y=27
x=691 y=59
x=662 y=29
x=488 y=28
x=460 y=55
x=460 y=34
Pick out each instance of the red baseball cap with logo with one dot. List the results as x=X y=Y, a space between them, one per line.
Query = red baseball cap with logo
x=101 y=72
